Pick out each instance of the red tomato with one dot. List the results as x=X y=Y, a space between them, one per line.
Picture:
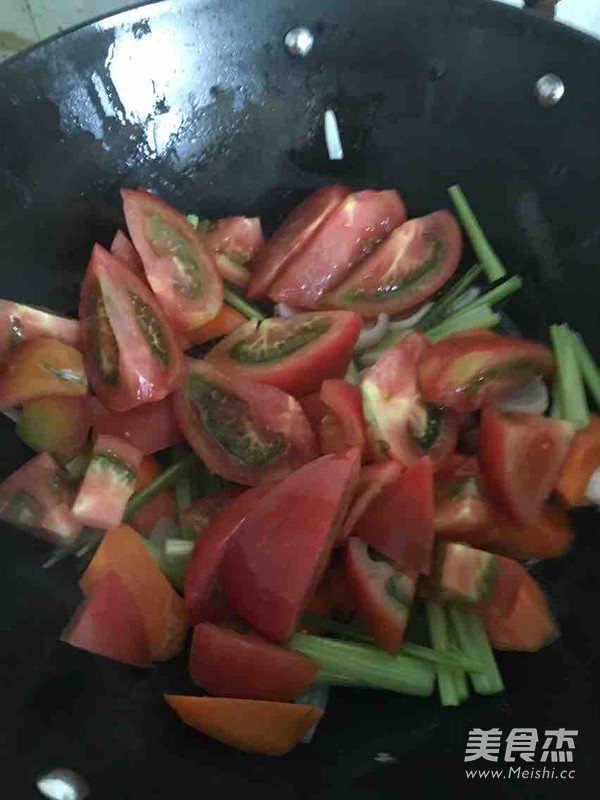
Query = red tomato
x=273 y=564
x=247 y=432
x=231 y=664
x=399 y=424
x=122 y=249
x=315 y=409
x=468 y=372
x=38 y=498
x=373 y=479
x=383 y=595
x=41 y=368
x=343 y=425
x=520 y=457
x=150 y=428
x=462 y=511
x=233 y=242
x=108 y=483
x=296 y=354
x=414 y=261
x=160 y=507
x=110 y=624
x=131 y=354
x=180 y=269
x=55 y=425
x=291 y=236
x=353 y=229
x=209 y=549
x=399 y=521
x=550 y=537
x=200 y=513
x=19 y=323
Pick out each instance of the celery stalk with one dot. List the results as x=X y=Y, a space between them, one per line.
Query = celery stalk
x=159 y=484
x=494 y=269
x=352 y=373
x=480 y=317
x=441 y=306
x=247 y=309
x=588 y=367
x=474 y=642
x=495 y=295
x=438 y=630
x=571 y=391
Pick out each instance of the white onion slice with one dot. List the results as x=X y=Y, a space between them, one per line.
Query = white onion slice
x=165 y=528
x=410 y=322
x=592 y=491
x=283 y=310
x=531 y=398
x=14 y=414
x=472 y=293
x=372 y=335
x=317 y=695
x=333 y=140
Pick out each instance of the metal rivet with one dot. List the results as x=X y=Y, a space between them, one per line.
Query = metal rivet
x=549 y=89
x=63 y=784
x=299 y=42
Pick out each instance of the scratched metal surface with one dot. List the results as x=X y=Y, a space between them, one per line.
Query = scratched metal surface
x=199 y=102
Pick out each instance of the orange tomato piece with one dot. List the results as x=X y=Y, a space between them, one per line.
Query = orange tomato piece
x=582 y=459
x=227 y=320
x=160 y=507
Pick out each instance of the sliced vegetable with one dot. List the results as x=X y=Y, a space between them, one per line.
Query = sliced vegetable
x=550 y=537
x=244 y=431
x=180 y=268
x=521 y=457
x=383 y=595
x=227 y=320
x=583 y=458
x=462 y=574
x=284 y=543
x=295 y=354
x=441 y=637
x=20 y=323
x=234 y=241
x=373 y=479
x=414 y=261
x=109 y=623
x=445 y=303
x=462 y=510
x=292 y=235
x=158 y=484
x=122 y=551
x=530 y=398
x=122 y=249
x=343 y=424
x=255 y=726
x=41 y=368
x=468 y=372
x=354 y=228
x=200 y=513
x=132 y=356
x=473 y=640
x=588 y=367
x=160 y=507
x=231 y=664
x=400 y=425
x=571 y=391
x=149 y=428
x=55 y=425
x=37 y=497
x=314 y=409
x=488 y=259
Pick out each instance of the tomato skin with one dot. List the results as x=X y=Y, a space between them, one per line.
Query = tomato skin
x=201 y=297
x=150 y=428
x=280 y=419
x=230 y=664
x=56 y=425
x=373 y=480
x=581 y=462
x=453 y=371
x=209 y=549
x=160 y=507
x=108 y=483
x=399 y=521
x=382 y=611
x=122 y=249
x=273 y=564
x=37 y=498
x=395 y=413
x=303 y=370
x=234 y=241
x=370 y=289
x=359 y=223
x=343 y=425
x=520 y=457
x=291 y=236
x=109 y=624
x=20 y=323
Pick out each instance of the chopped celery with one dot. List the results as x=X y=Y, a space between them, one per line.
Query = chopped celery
x=352 y=373
x=247 y=309
x=76 y=467
x=442 y=305
x=571 y=391
x=460 y=676
x=588 y=367
x=480 y=317
x=438 y=630
x=494 y=269
x=159 y=484
x=183 y=494
x=495 y=295
x=474 y=642
x=193 y=219
x=178 y=548
x=87 y=540
x=359 y=664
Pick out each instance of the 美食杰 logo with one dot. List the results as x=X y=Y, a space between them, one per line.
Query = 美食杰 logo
x=527 y=752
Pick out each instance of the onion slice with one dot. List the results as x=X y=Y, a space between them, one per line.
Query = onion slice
x=316 y=695
x=410 y=322
x=592 y=491
x=531 y=398
x=372 y=334
x=283 y=310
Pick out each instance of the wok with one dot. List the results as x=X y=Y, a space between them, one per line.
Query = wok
x=200 y=102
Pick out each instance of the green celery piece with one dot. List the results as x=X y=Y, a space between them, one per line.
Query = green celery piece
x=480 y=317
x=495 y=295
x=193 y=219
x=159 y=484
x=443 y=303
x=438 y=629
x=352 y=373
x=571 y=390
x=494 y=269
x=460 y=676
x=247 y=309
x=474 y=642
x=588 y=367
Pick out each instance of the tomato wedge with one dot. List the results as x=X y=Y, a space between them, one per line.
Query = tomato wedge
x=41 y=368
x=343 y=424
x=398 y=522
x=226 y=321
x=38 y=499
x=315 y=409
x=110 y=624
x=108 y=483
x=131 y=354
x=399 y=424
x=233 y=242
x=161 y=507
x=551 y=536
x=296 y=354
x=274 y=562
x=373 y=479
x=149 y=428
x=581 y=462
x=354 y=228
x=200 y=513
x=383 y=595
x=55 y=425
x=468 y=372
x=414 y=261
x=291 y=236
x=246 y=432
x=19 y=323
x=521 y=456
x=462 y=510
x=231 y=664
x=180 y=268
x=122 y=249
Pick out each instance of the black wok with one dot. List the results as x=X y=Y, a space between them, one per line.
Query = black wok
x=200 y=102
